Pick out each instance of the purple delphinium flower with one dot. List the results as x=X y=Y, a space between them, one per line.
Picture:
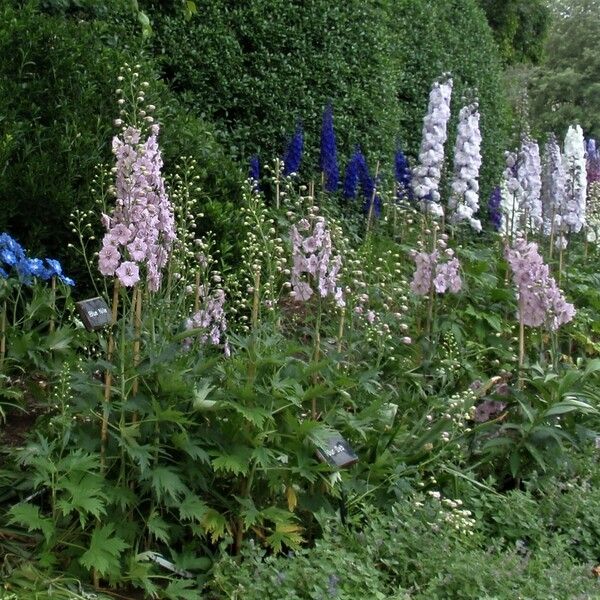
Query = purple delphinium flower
x=313 y=262
x=495 y=208
x=541 y=302
x=293 y=153
x=354 y=168
x=432 y=274
x=254 y=168
x=403 y=176
x=328 y=158
x=211 y=317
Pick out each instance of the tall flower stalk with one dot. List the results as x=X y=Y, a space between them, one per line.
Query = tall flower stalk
x=464 y=199
x=328 y=157
x=427 y=174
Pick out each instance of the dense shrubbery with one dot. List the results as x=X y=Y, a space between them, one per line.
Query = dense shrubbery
x=58 y=105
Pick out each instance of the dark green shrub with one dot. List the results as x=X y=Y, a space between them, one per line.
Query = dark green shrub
x=57 y=108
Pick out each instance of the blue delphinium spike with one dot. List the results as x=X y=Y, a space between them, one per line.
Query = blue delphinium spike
x=254 y=168
x=328 y=159
x=495 y=210
x=403 y=176
x=293 y=153
x=354 y=168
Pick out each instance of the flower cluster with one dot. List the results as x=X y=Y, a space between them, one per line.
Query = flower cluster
x=529 y=173
x=511 y=190
x=403 y=176
x=576 y=188
x=432 y=274
x=495 y=208
x=464 y=201
x=328 y=158
x=13 y=257
x=141 y=230
x=541 y=302
x=593 y=161
x=313 y=258
x=553 y=199
x=593 y=213
x=254 y=169
x=293 y=152
x=211 y=318
x=427 y=175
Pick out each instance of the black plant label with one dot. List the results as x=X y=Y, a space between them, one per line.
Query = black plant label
x=336 y=451
x=94 y=313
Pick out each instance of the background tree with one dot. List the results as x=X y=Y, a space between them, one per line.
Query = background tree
x=565 y=88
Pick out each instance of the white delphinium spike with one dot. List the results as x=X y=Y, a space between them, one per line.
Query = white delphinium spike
x=464 y=200
x=511 y=191
x=529 y=174
x=576 y=187
x=427 y=174
x=553 y=187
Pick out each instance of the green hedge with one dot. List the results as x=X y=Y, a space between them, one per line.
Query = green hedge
x=58 y=78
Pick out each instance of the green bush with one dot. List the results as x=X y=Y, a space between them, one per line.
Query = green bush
x=257 y=67
x=57 y=106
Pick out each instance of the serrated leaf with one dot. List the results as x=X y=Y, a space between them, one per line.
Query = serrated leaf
x=158 y=527
x=285 y=533
x=166 y=481
x=192 y=509
x=201 y=393
x=104 y=551
x=182 y=589
x=236 y=462
x=29 y=516
x=215 y=524
x=84 y=496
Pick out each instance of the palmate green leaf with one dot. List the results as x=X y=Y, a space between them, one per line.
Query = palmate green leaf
x=190 y=446
x=104 y=551
x=249 y=513
x=182 y=589
x=253 y=414
x=288 y=534
x=59 y=340
x=84 y=496
x=201 y=394
x=158 y=527
x=167 y=482
x=215 y=524
x=28 y=515
x=237 y=461
x=192 y=508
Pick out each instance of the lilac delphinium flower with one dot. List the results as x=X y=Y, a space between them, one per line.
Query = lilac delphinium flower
x=403 y=176
x=495 y=209
x=314 y=264
x=293 y=153
x=593 y=161
x=529 y=172
x=427 y=174
x=541 y=303
x=511 y=191
x=432 y=274
x=464 y=199
x=553 y=189
x=354 y=169
x=328 y=158
x=141 y=230
x=576 y=186
x=211 y=317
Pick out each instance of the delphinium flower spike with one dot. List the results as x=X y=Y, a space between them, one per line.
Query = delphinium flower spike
x=328 y=158
x=464 y=199
x=403 y=176
x=293 y=153
x=427 y=174
x=495 y=209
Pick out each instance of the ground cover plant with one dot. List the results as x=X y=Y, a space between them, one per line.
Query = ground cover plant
x=376 y=312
